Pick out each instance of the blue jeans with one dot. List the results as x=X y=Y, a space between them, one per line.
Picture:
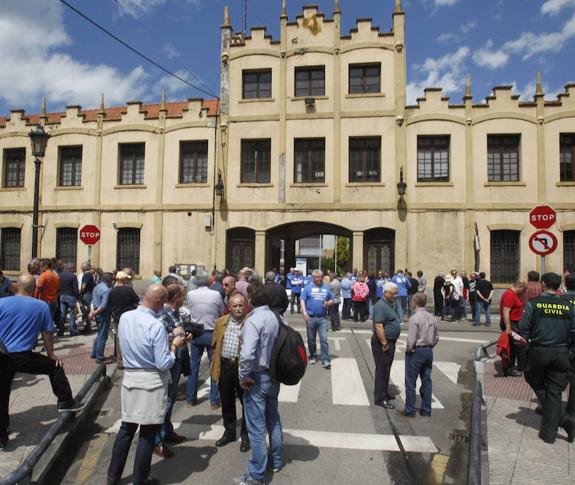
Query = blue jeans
x=315 y=325
x=103 y=322
x=261 y=409
x=482 y=305
x=400 y=306
x=198 y=345
x=418 y=363
x=334 y=315
x=68 y=302
x=168 y=428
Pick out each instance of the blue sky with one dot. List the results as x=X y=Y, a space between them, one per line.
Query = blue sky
x=46 y=49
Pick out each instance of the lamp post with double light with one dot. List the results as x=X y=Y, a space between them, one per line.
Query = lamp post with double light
x=39 y=139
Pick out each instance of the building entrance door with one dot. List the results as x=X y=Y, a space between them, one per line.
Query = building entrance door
x=240 y=249
x=379 y=246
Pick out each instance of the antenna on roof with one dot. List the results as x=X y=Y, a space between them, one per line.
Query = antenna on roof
x=245 y=17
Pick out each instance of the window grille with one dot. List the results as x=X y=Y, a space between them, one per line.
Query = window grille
x=569 y=249
x=10 y=249
x=257 y=84
x=310 y=81
x=128 y=249
x=504 y=256
x=567 y=157
x=364 y=78
x=67 y=244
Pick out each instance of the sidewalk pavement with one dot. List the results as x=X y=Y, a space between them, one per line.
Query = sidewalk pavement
x=33 y=405
x=516 y=454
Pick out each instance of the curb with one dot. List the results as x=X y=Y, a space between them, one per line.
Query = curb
x=52 y=466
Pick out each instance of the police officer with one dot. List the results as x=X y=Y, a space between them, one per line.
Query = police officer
x=548 y=324
x=570 y=295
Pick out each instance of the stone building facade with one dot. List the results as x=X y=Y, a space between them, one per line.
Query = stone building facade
x=312 y=134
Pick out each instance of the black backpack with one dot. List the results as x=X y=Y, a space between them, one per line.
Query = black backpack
x=289 y=357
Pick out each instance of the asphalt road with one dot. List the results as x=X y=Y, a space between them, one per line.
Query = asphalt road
x=332 y=432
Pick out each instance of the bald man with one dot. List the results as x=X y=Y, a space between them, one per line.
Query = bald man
x=148 y=357
x=22 y=318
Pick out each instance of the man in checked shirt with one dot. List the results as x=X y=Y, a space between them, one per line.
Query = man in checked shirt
x=224 y=369
x=421 y=338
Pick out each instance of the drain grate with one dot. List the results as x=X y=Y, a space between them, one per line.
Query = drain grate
x=459 y=436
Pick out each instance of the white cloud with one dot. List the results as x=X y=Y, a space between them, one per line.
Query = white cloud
x=468 y=27
x=446 y=72
x=170 y=51
x=555 y=6
x=490 y=58
x=174 y=87
x=444 y=3
x=447 y=37
x=137 y=8
x=36 y=68
x=527 y=92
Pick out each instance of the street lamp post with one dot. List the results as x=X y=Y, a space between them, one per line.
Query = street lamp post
x=39 y=139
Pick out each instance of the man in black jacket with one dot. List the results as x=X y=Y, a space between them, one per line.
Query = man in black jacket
x=278 y=298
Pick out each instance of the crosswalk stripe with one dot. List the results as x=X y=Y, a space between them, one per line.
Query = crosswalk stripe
x=450 y=369
x=336 y=342
x=319 y=439
x=289 y=393
x=398 y=378
x=326 y=439
x=346 y=383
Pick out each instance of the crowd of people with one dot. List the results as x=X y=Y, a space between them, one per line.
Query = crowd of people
x=235 y=320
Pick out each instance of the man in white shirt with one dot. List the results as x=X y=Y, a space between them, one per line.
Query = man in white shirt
x=457 y=293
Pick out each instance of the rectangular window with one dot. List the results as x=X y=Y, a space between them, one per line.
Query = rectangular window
x=569 y=249
x=256 y=161
x=433 y=158
x=364 y=159
x=67 y=244
x=10 y=249
x=567 y=163
x=257 y=83
x=310 y=81
x=364 y=78
x=128 y=249
x=309 y=163
x=504 y=256
x=503 y=158
x=131 y=163
x=70 y=166
x=193 y=162
x=14 y=167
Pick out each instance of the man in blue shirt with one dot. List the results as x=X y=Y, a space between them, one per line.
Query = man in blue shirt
x=296 y=282
x=258 y=337
x=22 y=318
x=148 y=357
x=403 y=284
x=102 y=314
x=346 y=285
x=315 y=299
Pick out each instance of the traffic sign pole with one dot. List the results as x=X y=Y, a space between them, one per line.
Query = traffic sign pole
x=90 y=255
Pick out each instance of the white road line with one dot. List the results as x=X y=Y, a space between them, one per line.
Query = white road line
x=464 y=340
x=346 y=383
x=336 y=342
x=204 y=389
x=450 y=369
x=325 y=439
x=289 y=393
x=398 y=378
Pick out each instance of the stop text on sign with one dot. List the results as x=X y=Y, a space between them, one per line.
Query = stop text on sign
x=542 y=217
x=89 y=234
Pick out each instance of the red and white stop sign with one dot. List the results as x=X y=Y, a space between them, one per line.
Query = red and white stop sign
x=542 y=217
x=89 y=235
